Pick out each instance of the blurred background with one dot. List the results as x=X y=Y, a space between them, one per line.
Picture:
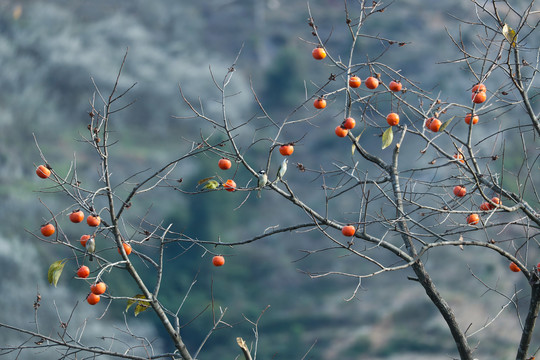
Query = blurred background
x=51 y=53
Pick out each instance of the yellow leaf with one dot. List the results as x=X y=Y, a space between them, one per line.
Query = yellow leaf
x=55 y=270
x=357 y=138
x=387 y=138
x=141 y=305
x=509 y=34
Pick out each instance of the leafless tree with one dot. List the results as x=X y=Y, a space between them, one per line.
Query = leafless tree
x=400 y=210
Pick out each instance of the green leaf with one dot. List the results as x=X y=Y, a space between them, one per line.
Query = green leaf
x=509 y=34
x=141 y=305
x=55 y=270
x=212 y=184
x=387 y=138
x=446 y=123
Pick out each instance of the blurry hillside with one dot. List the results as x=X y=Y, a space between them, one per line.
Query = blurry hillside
x=51 y=52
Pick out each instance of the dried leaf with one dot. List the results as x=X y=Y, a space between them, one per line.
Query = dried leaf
x=509 y=34
x=55 y=270
x=387 y=138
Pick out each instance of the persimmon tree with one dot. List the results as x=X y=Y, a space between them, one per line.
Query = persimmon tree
x=374 y=203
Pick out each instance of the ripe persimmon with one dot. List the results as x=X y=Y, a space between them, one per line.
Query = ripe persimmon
x=218 y=260
x=341 y=131
x=372 y=82
x=127 y=248
x=395 y=86
x=459 y=158
x=286 y=150
x=230 y=185
x=83 y=272
x=479 y=97
x=392 y=119
x=318 y=53
x=84 y=239
x=460 y=191
x=93 y=299
x=514 y=267
x=98 y=288
x=354 y=81
x=319 y=103
x=485 y=206
x=349 y=123
x=93 y=220
x=348 y=230
x=468 y=119
x=43 y=172
x=435 y=125
x=47 y=229
x=224 y=164
x=479 y=88
x=473 y=219
x=495 y=200
x=76 y=216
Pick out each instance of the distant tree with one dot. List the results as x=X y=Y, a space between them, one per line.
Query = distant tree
x=461 y=192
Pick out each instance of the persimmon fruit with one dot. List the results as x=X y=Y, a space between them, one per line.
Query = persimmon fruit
x=372 y=82
x=485 y=206
x=514 y=267
x=319 y=103
x=479 y=88
x=473 y=219
x=93 y=220
x=495 y=200
x=459 y=158
x=348 y=230
x=43 y=172
x=460 y=191
x=98 y=288
x=354 y=81
x=392 y=119
x=224 y=164
x=84 y=239
x=230 y=185
x=47 y=229
x=349 y=123
x=286 y=150
x=341 y=131
x=76 y=216
x=318 y=53
x=93 y=299
x=218 y=260
x=479 y=97
x=395 y=86
x=435 y=125
x=83 y=272
x=127 y=248
x=468 y=119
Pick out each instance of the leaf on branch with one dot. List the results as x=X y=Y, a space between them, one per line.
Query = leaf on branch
x=202 y=181
x=140 y=304
x=387 y=138
x=509 y=34
x=446 y=123
x=55 y=270
x=353 y=148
